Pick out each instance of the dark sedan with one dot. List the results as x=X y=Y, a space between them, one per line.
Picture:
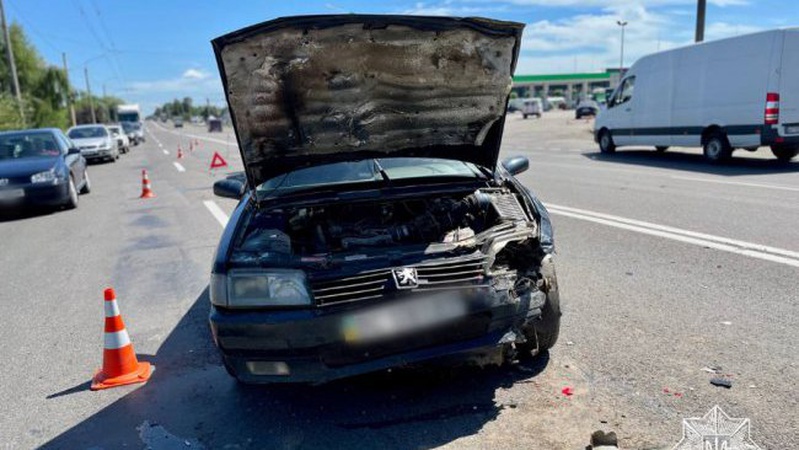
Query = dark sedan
x=376 y=228
x=588 y=108
x=40 y=167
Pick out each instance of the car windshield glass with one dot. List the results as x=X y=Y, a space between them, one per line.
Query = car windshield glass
x=88 y=132
x=28 y=145
x=366 y=171
x=128 y=127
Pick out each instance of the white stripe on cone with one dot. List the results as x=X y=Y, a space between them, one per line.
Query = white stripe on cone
x=111 y=309
x=116 y=340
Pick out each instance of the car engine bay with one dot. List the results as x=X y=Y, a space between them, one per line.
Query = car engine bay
x=363 y=226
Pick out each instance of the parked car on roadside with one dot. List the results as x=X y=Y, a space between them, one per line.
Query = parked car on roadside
x=123 y=142
x=178 y=122
x=388 y=233
x=735 y=93
x=134 y=131
x=532 y=107
x=95 y=142
x=586 y=108
x=40 y=167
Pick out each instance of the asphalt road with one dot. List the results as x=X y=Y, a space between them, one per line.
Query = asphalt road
x=666 y=265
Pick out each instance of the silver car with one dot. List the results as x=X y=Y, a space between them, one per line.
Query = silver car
x=95 y=142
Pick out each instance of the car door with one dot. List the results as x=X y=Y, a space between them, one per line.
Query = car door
x=623 y=127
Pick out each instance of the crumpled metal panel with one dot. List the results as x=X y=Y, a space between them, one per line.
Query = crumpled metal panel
x=302 y=95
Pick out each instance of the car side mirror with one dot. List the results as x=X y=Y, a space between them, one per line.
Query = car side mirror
x=73 y=151
x=516 y=164
x=229 y=188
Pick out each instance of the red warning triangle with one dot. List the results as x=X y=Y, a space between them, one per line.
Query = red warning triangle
x=218 y=161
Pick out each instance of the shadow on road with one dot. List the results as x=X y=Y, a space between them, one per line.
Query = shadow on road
x=192 y=401
x=739 y=164
x=29 y=212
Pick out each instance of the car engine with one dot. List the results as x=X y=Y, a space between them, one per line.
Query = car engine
x=360 y=225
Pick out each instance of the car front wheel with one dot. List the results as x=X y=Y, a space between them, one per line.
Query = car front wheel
x=72 y=195
x=606 y=144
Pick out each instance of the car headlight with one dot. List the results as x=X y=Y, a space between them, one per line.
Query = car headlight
x=47 y=176
x=252 y=289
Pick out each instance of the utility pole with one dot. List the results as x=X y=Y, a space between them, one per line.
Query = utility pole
x=69 y=91
x=89 y=90
x=701 y=6
x=622 y=24
x=11 y=64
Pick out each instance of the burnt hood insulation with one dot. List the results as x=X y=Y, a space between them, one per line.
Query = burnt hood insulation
x=312 y=90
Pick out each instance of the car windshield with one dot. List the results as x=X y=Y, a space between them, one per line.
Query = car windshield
x=114 y=130
x=28 y=145
x=128 y=127
x=87 y=133
x=366 y=171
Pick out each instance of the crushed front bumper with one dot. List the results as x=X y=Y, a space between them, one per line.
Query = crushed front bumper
x=313 y=346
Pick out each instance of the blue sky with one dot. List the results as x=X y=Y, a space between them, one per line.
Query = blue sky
x=149 y=51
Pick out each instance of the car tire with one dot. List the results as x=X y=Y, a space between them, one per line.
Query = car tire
x=231 y=371
x=543 y=334
x=72 y=195
x=784 y=153
x=717 y=148
x=606 y=144
x=524 y=116
x=87 y=183
x=661 y=148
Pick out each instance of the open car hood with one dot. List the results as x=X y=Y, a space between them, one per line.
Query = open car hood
x=313 y=90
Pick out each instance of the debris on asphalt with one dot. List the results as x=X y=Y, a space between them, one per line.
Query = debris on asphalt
x=721 y=382
x=603 y=441
x=726 y=323
x=567 y=391
x=569 y=343
x=712 y=369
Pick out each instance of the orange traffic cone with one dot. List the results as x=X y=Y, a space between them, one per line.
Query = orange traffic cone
x=120 y=366
x=146 y=189
x=180 y=152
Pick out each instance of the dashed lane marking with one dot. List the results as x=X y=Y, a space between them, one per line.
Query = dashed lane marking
x=217 y=212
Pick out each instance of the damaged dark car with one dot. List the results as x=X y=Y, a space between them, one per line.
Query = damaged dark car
x=375 y=227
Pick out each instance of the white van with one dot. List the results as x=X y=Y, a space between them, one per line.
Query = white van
x=741 y=92
x=532 y=107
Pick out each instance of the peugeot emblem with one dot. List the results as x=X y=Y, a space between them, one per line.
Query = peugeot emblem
x=405 y=278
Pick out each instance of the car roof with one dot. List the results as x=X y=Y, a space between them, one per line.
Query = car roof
x=30 y=130
x=88 y=125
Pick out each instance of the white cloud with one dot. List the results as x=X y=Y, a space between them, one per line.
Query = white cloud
x=195 y=74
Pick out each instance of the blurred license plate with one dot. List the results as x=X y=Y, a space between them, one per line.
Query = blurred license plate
x=792 y=129
x=401 y=318
x=11 y=194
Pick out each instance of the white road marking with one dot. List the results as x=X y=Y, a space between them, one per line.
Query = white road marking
x=738 y=183
x=217 y=212
x=179 y=167
x=232 y=142
x=166 y=152
x=744 y=248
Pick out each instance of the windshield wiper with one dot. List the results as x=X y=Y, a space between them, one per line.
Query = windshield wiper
x=382 y=171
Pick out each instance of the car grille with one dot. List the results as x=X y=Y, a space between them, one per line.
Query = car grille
x=450 y=273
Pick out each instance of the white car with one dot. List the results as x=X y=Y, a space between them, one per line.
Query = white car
x=95 y=142
x=123 y=142
x=741 y=92
x=532 y=107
